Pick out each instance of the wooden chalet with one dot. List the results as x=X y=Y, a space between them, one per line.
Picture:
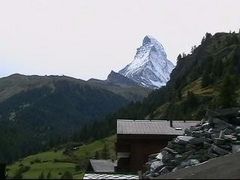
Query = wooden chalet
x=137 y=139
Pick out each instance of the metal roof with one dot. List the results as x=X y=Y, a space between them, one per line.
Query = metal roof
x=102 y=166
x=153 y=127
x=109 y=176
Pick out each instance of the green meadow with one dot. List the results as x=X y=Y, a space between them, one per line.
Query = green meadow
x=55 y=163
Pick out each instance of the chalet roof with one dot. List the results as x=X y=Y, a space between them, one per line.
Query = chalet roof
x=153 y=127
x=109 y=176
x=102 y=166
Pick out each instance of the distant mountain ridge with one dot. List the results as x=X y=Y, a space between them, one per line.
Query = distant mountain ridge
x=150 y=67
x=35 y=111
x=117 y=78
x=16 y=83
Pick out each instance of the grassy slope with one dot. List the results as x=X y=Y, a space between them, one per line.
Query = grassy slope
x=197 y=89
x=57 y=162
x=194 y=87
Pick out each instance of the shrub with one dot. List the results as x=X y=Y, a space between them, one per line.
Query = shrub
x=67 y=175
x=37 y=160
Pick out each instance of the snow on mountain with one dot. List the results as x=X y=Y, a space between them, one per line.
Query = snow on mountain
x=150 y=67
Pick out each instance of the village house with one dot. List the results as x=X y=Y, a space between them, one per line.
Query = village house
x=137 y=139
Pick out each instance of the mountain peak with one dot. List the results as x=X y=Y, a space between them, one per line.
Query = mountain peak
x=151 y=41
x=150 y=67
x=147 y=39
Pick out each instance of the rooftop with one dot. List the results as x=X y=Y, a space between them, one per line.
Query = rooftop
x=153 y=127
x=109 y=176
x=102 y=166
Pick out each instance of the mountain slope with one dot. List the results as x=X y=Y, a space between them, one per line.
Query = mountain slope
x=121 y=85
x=119 y=79
x=17 y=83
x=72 y=157
x=150 y=67
x=36 y=111
x=198 y=82
x=208 y=78
x=195 y=85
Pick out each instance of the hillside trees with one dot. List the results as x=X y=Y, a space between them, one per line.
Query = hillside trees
x=227 y=95
x=218 y=56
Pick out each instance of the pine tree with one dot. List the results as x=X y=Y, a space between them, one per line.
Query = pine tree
x=227 y=95
x=191 y=100
x=105 y=152
x=208 y=36
x=179 y=95
x=218 y=68
x=184 y=55
x=193 y=49
x=41 y=176
x=49 y=175
x=206 y=80
x=179 y=57
x=97 y=155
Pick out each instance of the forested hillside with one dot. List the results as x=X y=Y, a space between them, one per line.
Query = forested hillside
x=207 y=78
x=38 y=112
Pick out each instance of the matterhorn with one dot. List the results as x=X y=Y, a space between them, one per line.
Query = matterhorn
x=150 y=67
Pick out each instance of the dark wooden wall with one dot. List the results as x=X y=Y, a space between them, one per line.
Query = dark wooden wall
x=140 y=147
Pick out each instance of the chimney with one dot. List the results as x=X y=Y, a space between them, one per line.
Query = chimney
x=171 y=123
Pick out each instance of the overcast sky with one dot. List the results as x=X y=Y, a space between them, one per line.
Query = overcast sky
x=89 y=38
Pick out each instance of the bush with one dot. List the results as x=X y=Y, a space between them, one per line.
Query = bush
x=20 y=171
x=67 y=175
x=37 y=160
x=77 y=168
x=41 y=176
x=49 y=175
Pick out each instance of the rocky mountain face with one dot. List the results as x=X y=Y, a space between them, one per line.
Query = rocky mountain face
x=117 y=78
x=216 y=135
x=150 y=67
x=121 y=85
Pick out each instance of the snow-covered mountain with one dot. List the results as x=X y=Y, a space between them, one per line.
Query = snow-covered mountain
x=150 y=67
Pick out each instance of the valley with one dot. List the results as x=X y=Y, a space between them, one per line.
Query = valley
x=74 y=120
x=70 y=158
x=35 y=111
x=107 y=89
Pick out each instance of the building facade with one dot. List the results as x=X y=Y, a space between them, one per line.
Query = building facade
x=137 y=139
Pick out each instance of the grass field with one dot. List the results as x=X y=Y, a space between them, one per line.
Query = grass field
x=53 y=164
x=196 y=88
